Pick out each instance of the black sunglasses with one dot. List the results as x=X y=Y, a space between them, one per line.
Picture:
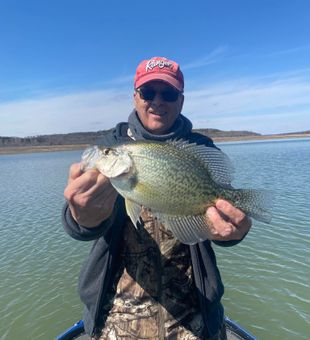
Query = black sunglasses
x=168 y=95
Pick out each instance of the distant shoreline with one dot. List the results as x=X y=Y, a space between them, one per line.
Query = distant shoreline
x=9 y=150
x=54 y=148
x=260 y=137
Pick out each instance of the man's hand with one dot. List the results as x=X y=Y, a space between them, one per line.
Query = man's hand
x=90 y=196
x=227 y=222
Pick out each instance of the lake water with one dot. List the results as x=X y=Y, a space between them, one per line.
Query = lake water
x=266 y=276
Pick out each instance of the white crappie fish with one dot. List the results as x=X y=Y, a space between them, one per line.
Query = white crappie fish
x=177 y=181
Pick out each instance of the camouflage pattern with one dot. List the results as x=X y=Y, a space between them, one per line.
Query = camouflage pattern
x=153 y=295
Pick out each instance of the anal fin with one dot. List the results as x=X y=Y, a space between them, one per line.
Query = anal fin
x=187 y=229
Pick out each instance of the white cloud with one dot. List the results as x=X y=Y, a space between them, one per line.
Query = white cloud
x=84 y=111
x=297 y=49
x=211 y=58
x=265 y=104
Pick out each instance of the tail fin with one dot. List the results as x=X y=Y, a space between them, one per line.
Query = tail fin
x=254 y=203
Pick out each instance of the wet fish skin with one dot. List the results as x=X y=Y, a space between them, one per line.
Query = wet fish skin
x=176 y=180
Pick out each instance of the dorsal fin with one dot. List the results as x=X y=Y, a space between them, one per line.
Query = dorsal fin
x=216 y=161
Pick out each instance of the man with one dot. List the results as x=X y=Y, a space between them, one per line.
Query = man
x=143 y=283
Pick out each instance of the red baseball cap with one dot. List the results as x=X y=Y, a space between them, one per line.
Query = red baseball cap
x=159 y=68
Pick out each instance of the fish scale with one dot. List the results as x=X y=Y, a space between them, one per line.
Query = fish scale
x=169 y=176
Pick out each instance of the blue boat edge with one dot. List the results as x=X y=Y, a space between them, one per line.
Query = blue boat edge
x=76 y=330
x=233 y=329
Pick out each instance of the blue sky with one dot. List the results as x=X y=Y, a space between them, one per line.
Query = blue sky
x=68 y=65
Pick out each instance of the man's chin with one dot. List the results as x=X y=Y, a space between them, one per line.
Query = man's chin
x=158 y=128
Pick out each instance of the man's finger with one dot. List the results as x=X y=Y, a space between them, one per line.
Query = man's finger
x=74 y=172
x=234 y=215
x=102 y=189
x=219 y=228
x=80 y=184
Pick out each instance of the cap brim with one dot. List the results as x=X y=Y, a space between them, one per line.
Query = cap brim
x=161 y=77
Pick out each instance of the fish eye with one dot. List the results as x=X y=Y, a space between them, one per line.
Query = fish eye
x=106 y=151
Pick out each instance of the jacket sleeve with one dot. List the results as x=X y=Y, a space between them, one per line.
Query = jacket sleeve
x=82 y=233
x=228 y=243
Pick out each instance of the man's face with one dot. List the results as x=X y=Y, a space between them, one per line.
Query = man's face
x=158 y=115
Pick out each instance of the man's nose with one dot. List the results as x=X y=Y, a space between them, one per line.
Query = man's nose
x=158 y=98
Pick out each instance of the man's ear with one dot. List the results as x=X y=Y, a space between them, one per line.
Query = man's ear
x=181 y=102
x=135 y=93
